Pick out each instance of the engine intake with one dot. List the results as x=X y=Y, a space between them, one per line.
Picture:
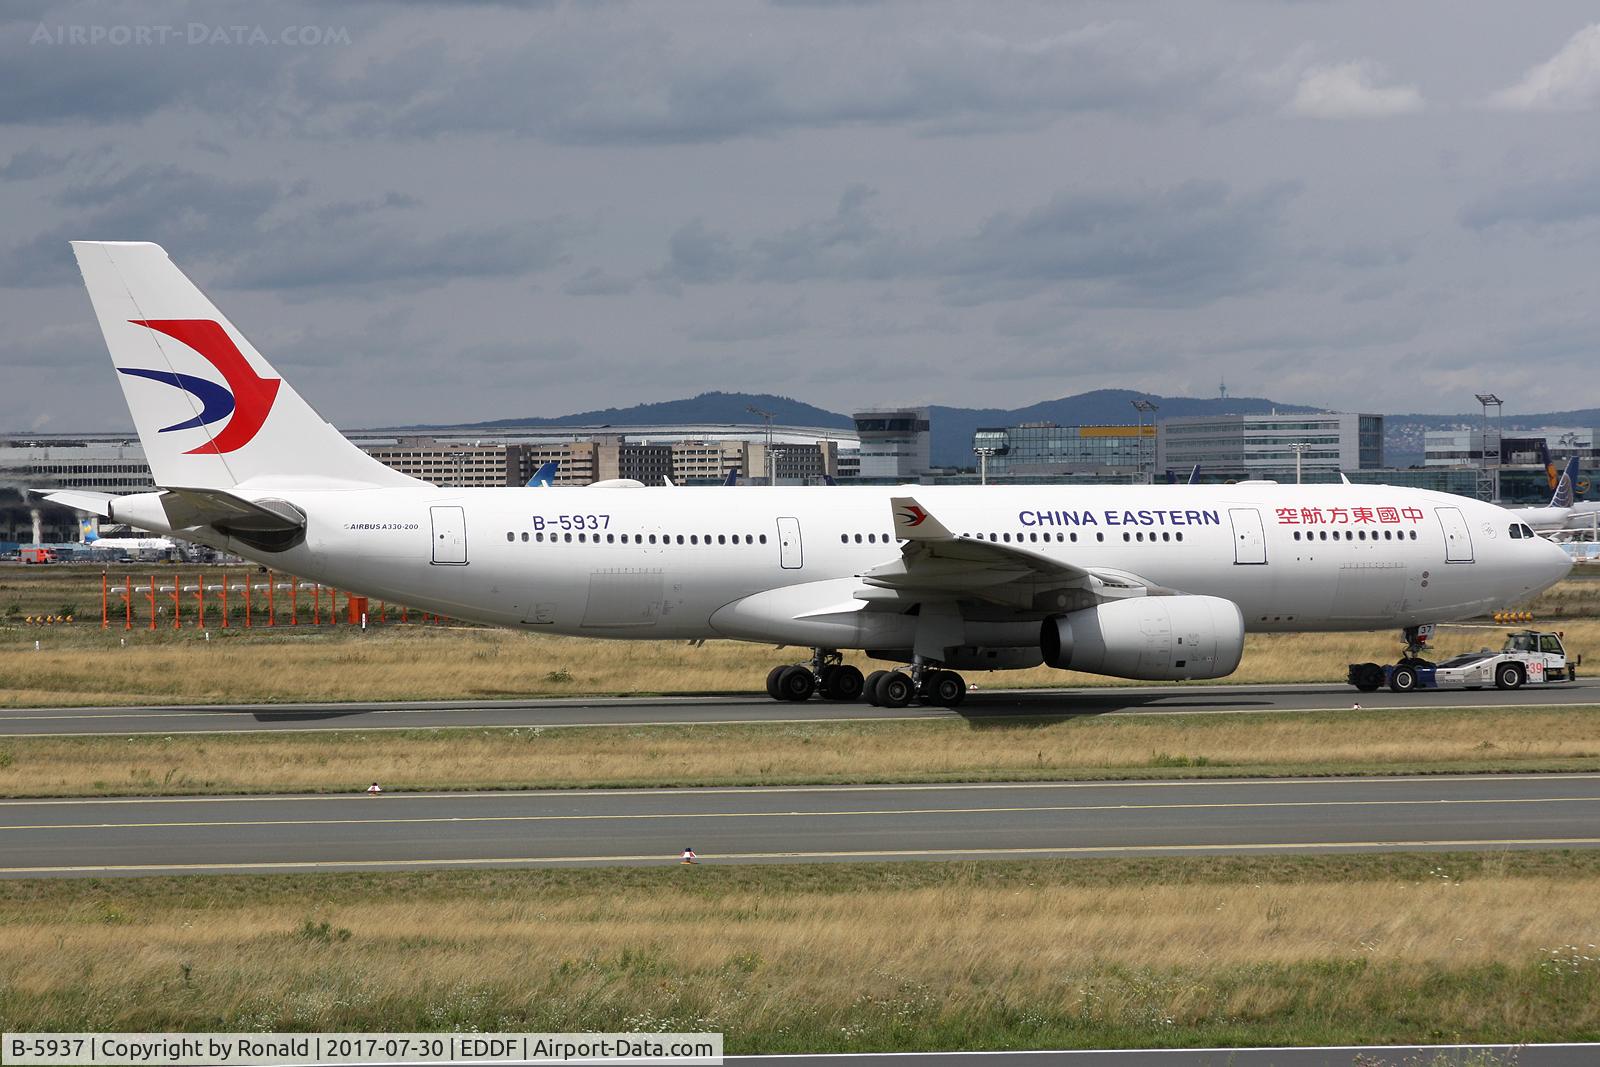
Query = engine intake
x=1150 y=638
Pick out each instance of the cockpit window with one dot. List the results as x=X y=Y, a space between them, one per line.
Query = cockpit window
x=1527 y=531
x=1516 y=531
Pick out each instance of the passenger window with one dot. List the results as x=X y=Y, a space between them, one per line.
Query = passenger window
x=858 y=539
x=510 y=536
x=524 y=535
x=1178 y=536
x=722 y=539
x=1297 y=535
x=680 y=539
x=568 y=538
x=694 y=539
x=763 y=538
x=652 y=539
x=1074 y=537
x=1099 y=536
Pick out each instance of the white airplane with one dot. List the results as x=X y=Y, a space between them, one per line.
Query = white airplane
x=132 y=546
x=1146 y=582
x=1556 y=514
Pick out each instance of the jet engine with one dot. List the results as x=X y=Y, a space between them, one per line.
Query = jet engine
x=1152 y=638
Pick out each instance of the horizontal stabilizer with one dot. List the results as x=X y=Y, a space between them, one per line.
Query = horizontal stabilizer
x=91 y=503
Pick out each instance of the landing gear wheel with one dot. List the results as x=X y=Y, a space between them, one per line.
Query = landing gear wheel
x=1508 y=676
x=1403 y=680
x=895 y=690
x=1367 y=677
x=869 y=688
x=842 y=683
x=947 y=689
x=772 y=681
x=796 y=683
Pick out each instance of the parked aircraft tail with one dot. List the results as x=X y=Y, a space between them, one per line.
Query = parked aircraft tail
x=211 y=412
x=1564 y=488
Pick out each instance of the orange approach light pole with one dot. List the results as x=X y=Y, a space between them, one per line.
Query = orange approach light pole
x=127 y=600
x=200 y=600
x=105 y=605
x=224 y=600
x=177 y=602
x=272 y=604
x=247 y=601
x=152 y=602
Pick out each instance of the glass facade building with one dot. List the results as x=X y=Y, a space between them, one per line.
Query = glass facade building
x=1266 y=446
x=1044 y=448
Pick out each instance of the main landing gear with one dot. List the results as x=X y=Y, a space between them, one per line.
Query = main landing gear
x=827 y=675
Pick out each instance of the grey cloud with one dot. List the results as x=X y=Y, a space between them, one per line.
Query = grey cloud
x=1191 y=243
x=265 y=234
x=1547 y=202
x=635 y=84
x=698 y=254
x=50 y=80
x=759 y=322
x=596 y=282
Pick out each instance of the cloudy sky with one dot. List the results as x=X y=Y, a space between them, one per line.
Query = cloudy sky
x=451 y=212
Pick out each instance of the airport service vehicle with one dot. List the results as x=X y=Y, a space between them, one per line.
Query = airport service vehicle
x=1528 y=658
x=1135 y=581
x=36 y=555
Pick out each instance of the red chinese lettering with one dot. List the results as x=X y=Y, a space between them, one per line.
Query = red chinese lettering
x=1338 y=515
x=1362 y=514
x=1412 y=514
x=1388 y=515
x=1310 y=515
x=1288 y=517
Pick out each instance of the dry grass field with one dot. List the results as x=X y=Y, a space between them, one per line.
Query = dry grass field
x=880 y=957
x=85 y=665
x=1344 y=742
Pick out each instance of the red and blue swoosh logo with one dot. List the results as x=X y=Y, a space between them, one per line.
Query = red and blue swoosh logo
x=912 y=515
x=247 y=398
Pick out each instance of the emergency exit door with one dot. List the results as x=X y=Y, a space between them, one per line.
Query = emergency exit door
x=789 y=549
x=1249 y=539
x=1457 y=538
x=449 y=535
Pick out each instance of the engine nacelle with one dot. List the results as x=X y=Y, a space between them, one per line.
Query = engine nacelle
x=1151 y=638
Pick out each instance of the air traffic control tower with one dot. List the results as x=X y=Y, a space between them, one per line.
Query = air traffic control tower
x=895 y=444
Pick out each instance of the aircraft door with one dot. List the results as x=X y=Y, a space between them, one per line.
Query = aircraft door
x=1457 y=539
x=1249 y=539
x=449 y=535
x=790 y=553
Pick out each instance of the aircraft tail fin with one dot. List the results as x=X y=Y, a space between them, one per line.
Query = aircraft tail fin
x=545 y=476
x=1564 y=488
x=210 y=410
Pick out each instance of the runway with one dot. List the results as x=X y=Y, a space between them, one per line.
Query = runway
x=181 y=835
x=636 y=711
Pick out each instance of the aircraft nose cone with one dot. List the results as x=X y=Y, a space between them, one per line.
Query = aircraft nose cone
x=1559 y=563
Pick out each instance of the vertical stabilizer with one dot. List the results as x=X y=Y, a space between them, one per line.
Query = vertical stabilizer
x=211 y=411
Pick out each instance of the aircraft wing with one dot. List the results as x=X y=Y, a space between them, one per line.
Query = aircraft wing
x=934 y=562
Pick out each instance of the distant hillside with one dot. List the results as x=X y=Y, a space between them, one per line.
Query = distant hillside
x=707 y=407
x=953 y=427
